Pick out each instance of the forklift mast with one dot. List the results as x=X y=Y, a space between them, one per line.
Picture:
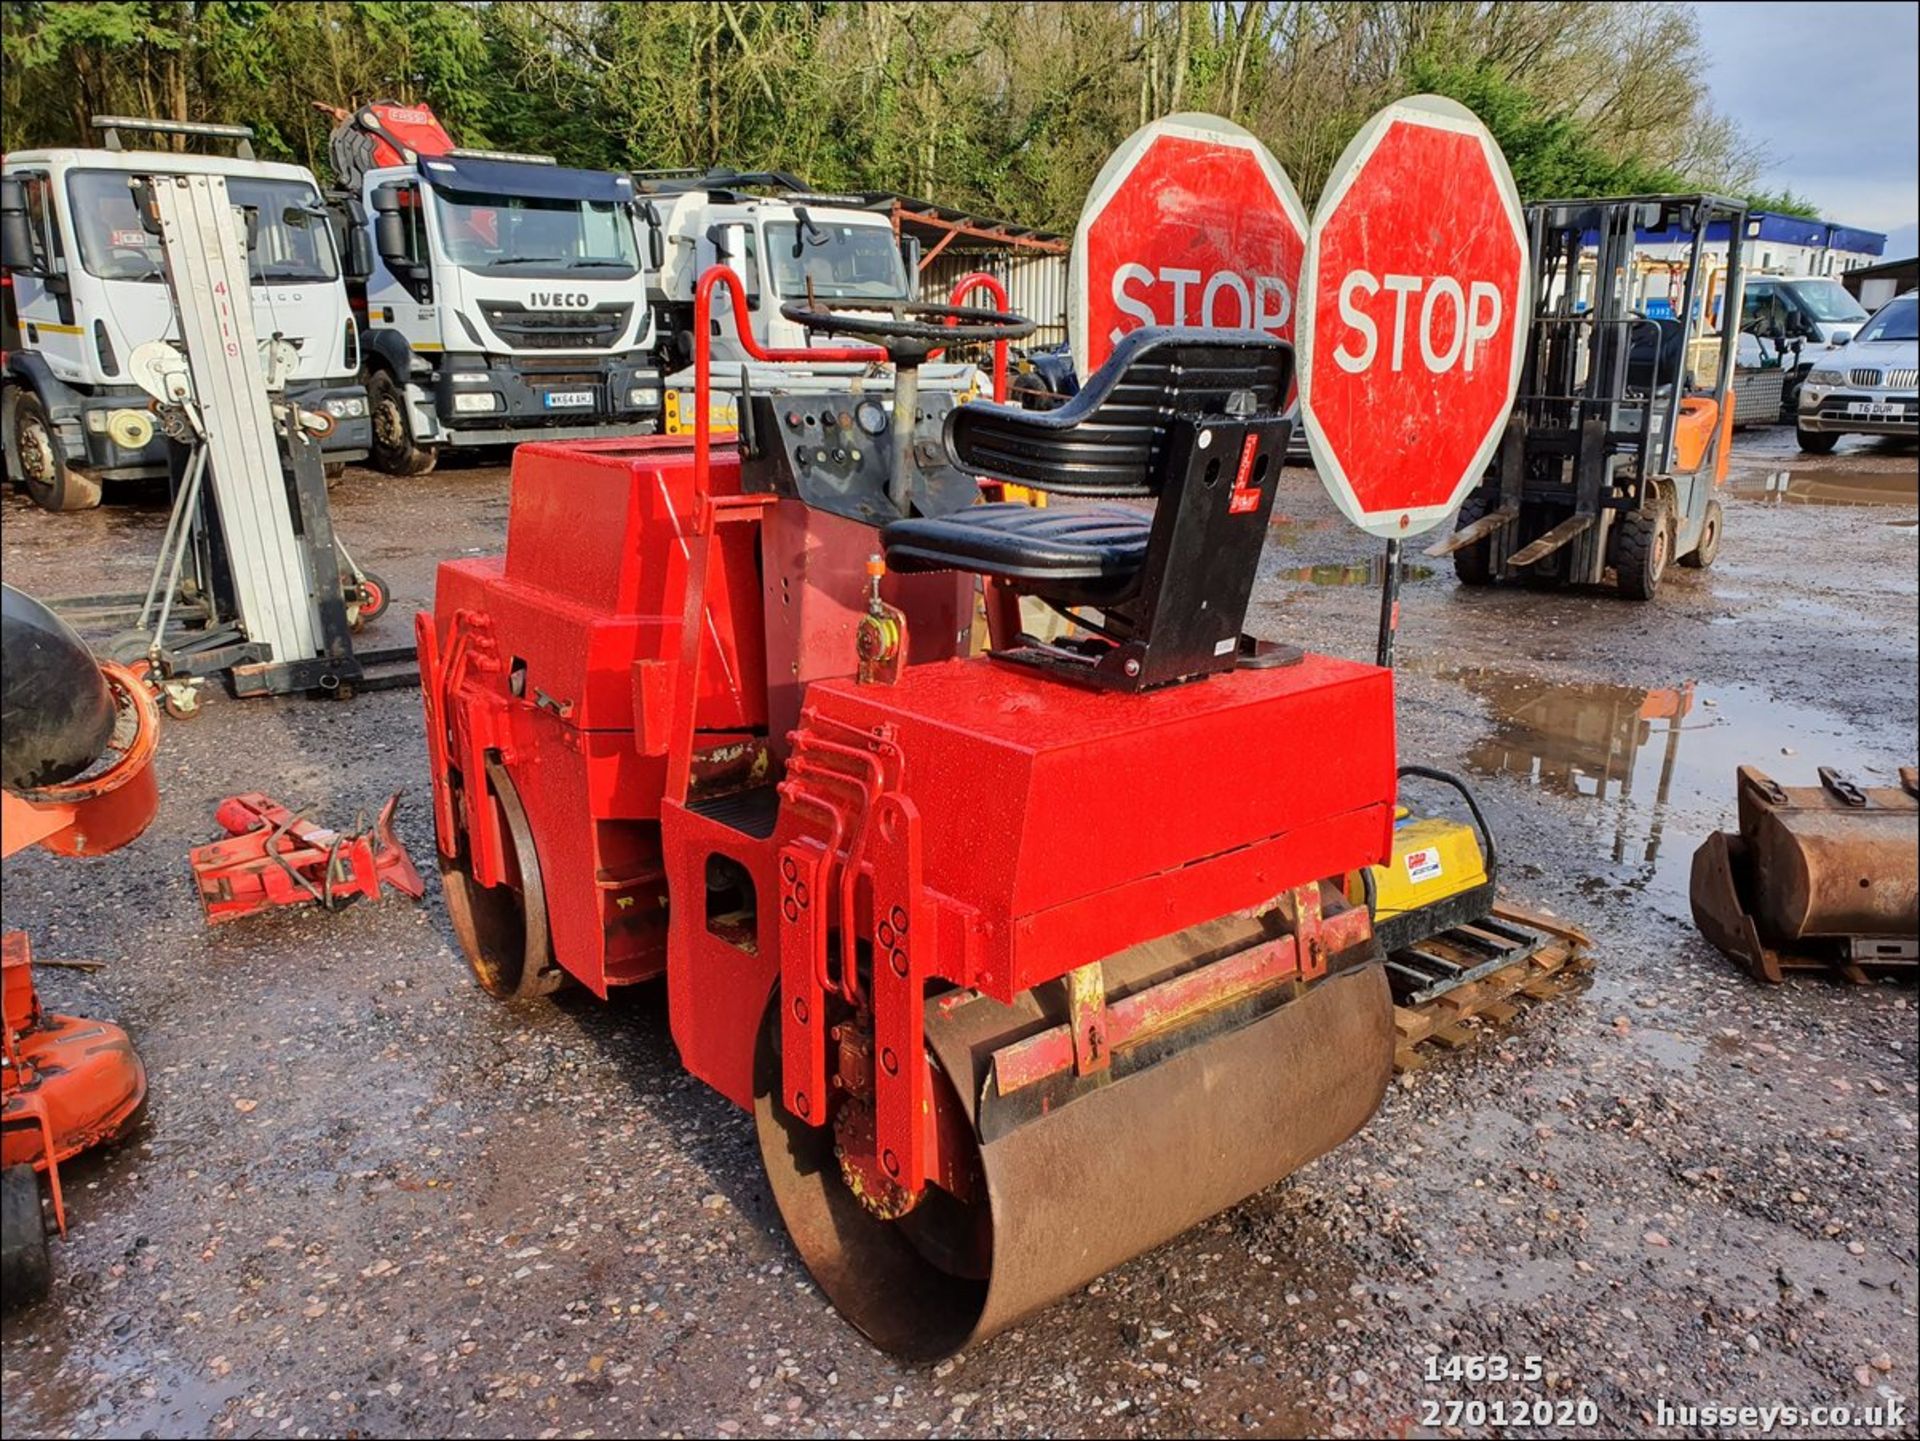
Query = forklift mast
x=1594 y=351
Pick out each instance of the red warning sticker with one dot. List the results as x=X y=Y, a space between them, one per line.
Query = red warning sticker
x=1423 y=865
x=1246 y=495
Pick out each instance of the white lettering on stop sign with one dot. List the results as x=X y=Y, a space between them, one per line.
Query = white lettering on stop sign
x=1466 y=317
x=1265 y=304
x=1190 y=223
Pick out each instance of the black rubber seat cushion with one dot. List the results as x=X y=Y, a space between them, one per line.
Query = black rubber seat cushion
x=1081 y=543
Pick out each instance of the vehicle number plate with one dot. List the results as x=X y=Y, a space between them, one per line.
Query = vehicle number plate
x=568 y=399
x=1873 y=409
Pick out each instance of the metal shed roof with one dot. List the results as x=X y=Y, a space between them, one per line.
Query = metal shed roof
x=941 y=227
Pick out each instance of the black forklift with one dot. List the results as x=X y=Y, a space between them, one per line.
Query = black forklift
x=1620 y=432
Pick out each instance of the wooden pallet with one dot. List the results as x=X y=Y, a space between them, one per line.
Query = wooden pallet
x=1455 y=1019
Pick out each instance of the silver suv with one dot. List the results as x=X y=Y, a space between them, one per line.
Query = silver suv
x=1869 y=388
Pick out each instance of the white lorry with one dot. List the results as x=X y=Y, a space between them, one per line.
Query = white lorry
x=88 y=288
x=505 y=296
x=784 y=245
x=1805 y=318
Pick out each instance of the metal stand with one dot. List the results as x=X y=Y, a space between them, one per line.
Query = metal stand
x=251 y=508
x=1389 y=606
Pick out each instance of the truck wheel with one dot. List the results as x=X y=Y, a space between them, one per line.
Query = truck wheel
x=393 y=449
x=1642 y=545
x=26 y=1271
x=335 y=469
x=33 y=457
x=1816 y=442
x=1472 y=564
x=1701 y=556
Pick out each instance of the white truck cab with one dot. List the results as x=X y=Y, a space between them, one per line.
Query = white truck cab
x=1815 y=309
x=88 y=288
x=506 y=299
x=1806 y=318
x=782 y=246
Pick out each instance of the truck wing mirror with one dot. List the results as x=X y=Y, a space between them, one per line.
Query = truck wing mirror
x=359 y=254
x=347 y=220
x=390 y=229
x=143 y=203
x=730 y=249
x=656 y=242
x=910 y=258
x=16 y=229
x=390 y=239
x=806 y=233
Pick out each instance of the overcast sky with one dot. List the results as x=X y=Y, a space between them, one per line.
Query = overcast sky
x=1831 y=91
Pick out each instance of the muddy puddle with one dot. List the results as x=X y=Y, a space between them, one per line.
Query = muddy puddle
x=1833 y=487
x=1654 y=767
x=1368 y=573
x=1286 y=528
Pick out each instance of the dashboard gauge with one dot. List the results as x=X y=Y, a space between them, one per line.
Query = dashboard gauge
x=871 y=417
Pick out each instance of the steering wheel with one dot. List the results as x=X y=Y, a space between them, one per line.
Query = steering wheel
x=906 y=330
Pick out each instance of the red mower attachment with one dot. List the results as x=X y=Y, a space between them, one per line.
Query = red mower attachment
x=71 y=1082
x=279 y=858
x=76 y=778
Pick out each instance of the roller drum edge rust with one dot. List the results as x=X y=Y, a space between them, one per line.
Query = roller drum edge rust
x=56 y=711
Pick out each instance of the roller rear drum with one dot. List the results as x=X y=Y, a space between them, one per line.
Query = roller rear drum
x=1076 y=1191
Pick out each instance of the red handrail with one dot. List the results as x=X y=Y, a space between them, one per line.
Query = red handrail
x=703 y=371
x=965 y=286
x=701 y=542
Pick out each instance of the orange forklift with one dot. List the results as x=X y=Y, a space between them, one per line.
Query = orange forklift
x=1619 y=436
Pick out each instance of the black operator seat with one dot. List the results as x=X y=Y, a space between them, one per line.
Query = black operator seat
x=1106 y=443
x=1656 y=354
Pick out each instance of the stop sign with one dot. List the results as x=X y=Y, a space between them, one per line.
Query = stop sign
x=1190 y=222
x=1413 y=315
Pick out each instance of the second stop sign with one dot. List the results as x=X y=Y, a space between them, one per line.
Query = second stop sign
x=1413 y=317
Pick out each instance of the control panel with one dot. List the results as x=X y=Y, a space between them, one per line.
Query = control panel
x=833 y=450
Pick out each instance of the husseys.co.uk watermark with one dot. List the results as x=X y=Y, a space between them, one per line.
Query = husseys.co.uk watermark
x=1767 y=1419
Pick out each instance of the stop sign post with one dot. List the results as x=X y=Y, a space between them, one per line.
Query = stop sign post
x=1191 y=222
x=1413 y=310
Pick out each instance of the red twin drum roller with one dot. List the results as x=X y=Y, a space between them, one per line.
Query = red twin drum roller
x=1026 y=955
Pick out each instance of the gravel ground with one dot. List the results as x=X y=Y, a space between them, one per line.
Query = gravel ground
x=369 y=1201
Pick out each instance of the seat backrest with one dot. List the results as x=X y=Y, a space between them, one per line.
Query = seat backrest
x=1655 y=354
x=1107 y=439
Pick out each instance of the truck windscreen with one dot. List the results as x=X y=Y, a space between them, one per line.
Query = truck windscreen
x=520 y=235
x=844 y=262
x=291 y=240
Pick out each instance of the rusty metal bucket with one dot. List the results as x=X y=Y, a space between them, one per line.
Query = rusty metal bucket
x=1817 y=877
x=1072 y=1190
